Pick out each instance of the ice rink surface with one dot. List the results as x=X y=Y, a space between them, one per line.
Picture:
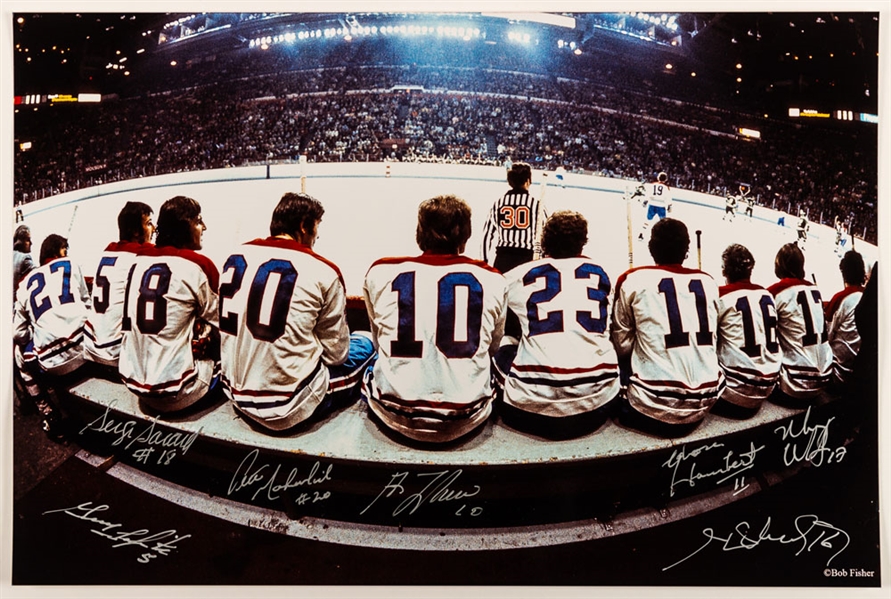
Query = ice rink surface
x=369 y=215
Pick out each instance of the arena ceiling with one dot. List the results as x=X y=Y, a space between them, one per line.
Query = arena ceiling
x=832 y=55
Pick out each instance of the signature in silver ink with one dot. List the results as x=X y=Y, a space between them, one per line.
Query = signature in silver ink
x=262 y=478
x=438 y=489
x=732 y=465
x=814 y=439
x=125 y=431
x=161 y=543
x=810 y=533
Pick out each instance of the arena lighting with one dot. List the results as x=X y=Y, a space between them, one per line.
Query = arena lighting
x=25 y=146
x=535 y=17
x=749 y=133
x=89 y=97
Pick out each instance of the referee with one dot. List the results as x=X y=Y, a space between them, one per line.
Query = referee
x=513 y=229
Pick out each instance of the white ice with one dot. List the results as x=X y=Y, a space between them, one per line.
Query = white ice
x=369 y=215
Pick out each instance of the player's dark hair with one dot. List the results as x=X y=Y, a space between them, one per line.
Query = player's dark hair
x=294 y=213
x=52 y=247
x=669 y=242
x=175 y=221
x=789 y=262
x=130 y=220
x=852 y=268
x=22 y=235
x=565 y=234
x=519 y=174
x=737 y=263
x=443 y=225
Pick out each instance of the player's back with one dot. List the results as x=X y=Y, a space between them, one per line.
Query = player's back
x=565 y=363
x=658 y=194
x=282 y=318
x=665 y=318
x=844 y=338
x=53 y=301
x=748 y=348
x=167 y=290
x=807 y=357
x=102 y=342
x=435 y=319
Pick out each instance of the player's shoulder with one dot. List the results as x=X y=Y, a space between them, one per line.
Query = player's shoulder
x=193 y=257
x=786 y=284
x=275 y=244
x=126 y=247
x=435 y=260
x=644 y=274
x=741 y=287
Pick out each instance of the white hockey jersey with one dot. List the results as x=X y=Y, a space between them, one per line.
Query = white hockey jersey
x=167 y=290
x=807 y=357
x=658 y=194
x=666 y=319
x=748 y=348
x=844 y=339
x=282 y=319
x=51 y=306
x=435 y=320
x=102 y=330
x=566 y=363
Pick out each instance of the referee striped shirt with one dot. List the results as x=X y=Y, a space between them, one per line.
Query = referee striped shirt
x=515 y=221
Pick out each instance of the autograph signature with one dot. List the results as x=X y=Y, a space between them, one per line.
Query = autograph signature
x=161 y=543
x=816 y=439
x=248 y=475
x=810 y=533
x=436 y=491
x=125 y=431
x=731 y=466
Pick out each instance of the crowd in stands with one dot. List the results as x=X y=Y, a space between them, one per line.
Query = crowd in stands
x=233 y=112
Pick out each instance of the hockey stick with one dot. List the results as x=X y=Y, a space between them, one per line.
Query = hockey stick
x=539 y=226
x=699 y=249
x=630 y=234
x=71 y=223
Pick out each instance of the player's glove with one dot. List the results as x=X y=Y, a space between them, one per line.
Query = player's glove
x=205 y=342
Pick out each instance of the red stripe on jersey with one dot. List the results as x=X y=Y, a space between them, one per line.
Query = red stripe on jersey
x=205 y=263
x=128 y=246
x=159 y=388
x=296 y=246
x=435 y=260
x=672 y=268
x=55 y=343
x=556 y=370
x=738 y=286
x=841 y=295
x=783 y=284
